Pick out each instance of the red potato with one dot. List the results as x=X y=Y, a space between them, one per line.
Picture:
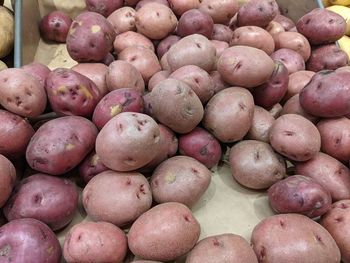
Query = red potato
x=164 y=233
x=284 y=21
x=103 y=7
x=291 y=59
x=61 y=144
x=115 y=102
x=29 y=240
x=129 y=39
x=294 y=41
x=123 y=20
x=219 y=83
x=91 y=166
x=261 y=125
x=274 y=28
x=165 y=44
x=181 y=6
x=55 y=26
x=37 y=70
x=156 y=78
x=221 y=11
x=15 y=134
x=108 y=59
x=7 y=179
x=147 y=107
x=145 y=2
x=202 y=146
x=110 y=192
x=95 y=242
x=328 y=172
x=222 y=33
x=297 y=81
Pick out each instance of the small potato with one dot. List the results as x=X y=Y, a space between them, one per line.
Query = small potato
x=156 y=78
x=328 y=172
x=21 y=93
x=202 y=146
x=109 y=193
x=261 y=124
x=276 y=110
x=147 y=107
x=253 y=36
x=129 y=39
x=181 y=6
x=155 y=20
x=55 y=26
x=95 y=242
x=222 y=248
x=195 y=21
x=294 y=41
x=197 y=79
x=145 y=2
x=221 y=11
x=128 y=141
x=222 y=33
x=255 y=165
x=165 y=232
x=15 y=134
x=109 y=58
x=219 y=83
x=122 y=74
x=245 y=66
x=7 y=179
x=123 y=20
x=180 y=179
x=61 y=144
x=274 y=28
x=103 y=7
x=291 y=59
x=229 y=114
x=37 y=70
x=284 y=21
x=295 y=137
x=331 y=28
x=165 y=44
x=90 y=167
x=220 y=46
x=297 y=81
x=291 y=238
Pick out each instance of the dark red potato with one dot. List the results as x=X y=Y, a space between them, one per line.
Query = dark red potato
x=38 y=70
x=91 y=166
x=291 y=59
x=195 y=21
x=165 y=44
x=145 y=2
x=284 y=21
x=103 y=7
x=55 y=26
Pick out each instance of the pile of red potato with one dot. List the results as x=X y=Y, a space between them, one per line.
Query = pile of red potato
x=161 y=90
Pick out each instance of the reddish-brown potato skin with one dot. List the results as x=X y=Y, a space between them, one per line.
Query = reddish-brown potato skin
x=284 y=21
x=332 y=27
x=61 y=144
x=29 y=240
x=7 y=179
x=157 y=78
x=181 y=6
x=220 y=10
x=123 y=19
x=294 y=41
x=91 y=166
x=291 y=238
x=55 y=26
x=223 y=248
x=129 y=39
x=49 y=199
x=165 y=44
x=110 y=192
x=37 y=70
x=297 y=81
x=179 y=232
x=291 y=59
x=336 y=221
x=15 y=134
x=261 y=124
x=222 y=33
x=109 y=58
x=195 y=21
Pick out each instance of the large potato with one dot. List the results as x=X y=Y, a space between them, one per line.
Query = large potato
x=129 y=39
x=297 y=81
x=181 y=6
x=245 y=66
x=294 y=41
x=229 y=114
x=220 y=10
x=291 y=59
x=292 y=238
x=164 y=233
x=7 y=179
x=295 y=137
x=123 y=19
x=261 y=125
x=257 y=13
x=7 y=33
x=91 y=166
x=61 y=144
x=274 y=28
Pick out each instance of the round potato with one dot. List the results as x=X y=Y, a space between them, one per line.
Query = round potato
x=291 y=59
x=7 y=179
x=90 y=167
x=129 y=39
x=181 y=6
x=37 y=70
x=294 y=41
x=123 y=19
x=157 y=78
x=222 y=33
x=221 y=11
x=297 y=81
x=55 y=26
x=261 y=125
x=165 y=44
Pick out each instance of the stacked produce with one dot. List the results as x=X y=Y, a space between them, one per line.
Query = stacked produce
x=163 y=92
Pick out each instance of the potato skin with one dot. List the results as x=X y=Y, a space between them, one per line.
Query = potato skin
x=61 y=144
x=219 y=83
x=37 y=70
x=181 y=6
x=91 y=166
x=165 y=44
x=284 y=21
x=291 y=59
x=297 y=81
x=55 y=26
x=103 y=202
x=123 y=19
x=179 y=232
x=293 y=238
x=261 y=124
x=129 y=39
x=295 y=137
x=157 y=78
x=294 y=41
x=103 y=7
x=229 y=114
x=195 y=21
x=145 y=2
x=95 y=242
x=51 y=200
x=29 y=240
x=223 y=248
x=221 y=11
x=222 y=33
x=7 y=179
x=21 y=93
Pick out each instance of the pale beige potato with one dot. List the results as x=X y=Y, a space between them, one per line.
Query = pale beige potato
x=2 y=65
x=6 y=31
x=274 y=28
x=7 y=179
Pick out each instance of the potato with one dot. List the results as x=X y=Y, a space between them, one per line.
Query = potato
x=143 y=59
x=155 y=20
x=222 y=33
x=180 y=179
x=297 y=81
x=222 y=248
x=71 y=93
x=328 y=172
x=294 y=41
x=274 y=28
x=331 y=28
x=327 y=57
x=181 y=6
x=21 y=93
x=129 y=39
x=336 y=223
x=253 y=36
x=274 y=89
x=61 y=144
x=164 y=62
x=164 y=233
x=220 y=46
x=261 y=124
x=192 y=50
x=2 y=65
x=195 y=21
x=123 y=20
x=291 y=59
x=128 y=141
x=7 y=179
x=156 y=78
x=202 y=146
x=295 y=137
x=103 y=7
x=284 y=21
x=29 y=240
x=109 y=58
x=326 y=95
x=165 y=44
x=145 y=261
x=229 y=114
x=90 y=167
x=6 y=31
x=15 y=133
x=221 y=11
x=90 y=37
x=197 y=79
x=257 y=13
x=219 y=83
x=145 y=2
x=115 y=102
x=37 y=70
x=147 y=107
x=55 y=26
x=293 y=238
x=176 y=105
x=122 y=74
x=109 y=193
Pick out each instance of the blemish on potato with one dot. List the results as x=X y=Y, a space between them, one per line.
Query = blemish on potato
x=5 y=251
x=116 y=109
x=170 y=178
x=95 y=29
x=50 y=250
x=94 y=160
x=86 y=92
x=61 y=89
x=70 y=146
